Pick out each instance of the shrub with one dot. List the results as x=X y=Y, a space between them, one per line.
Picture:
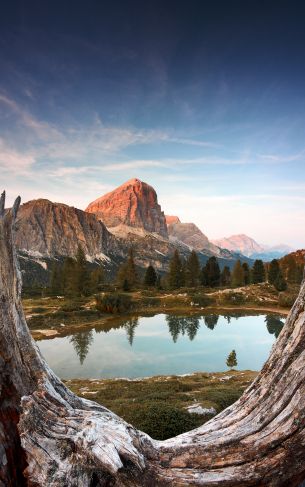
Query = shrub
x=161 y=421
x=113 y=303
x=233 y=298
x=70 y=307
x=149 y=302
x=287 y=300
x=39 y=309
x=202 y=300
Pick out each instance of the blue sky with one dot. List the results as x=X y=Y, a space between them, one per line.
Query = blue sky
x=203 y=100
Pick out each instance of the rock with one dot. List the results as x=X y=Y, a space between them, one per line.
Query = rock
x=49 y=229
x=240 y=244
x=134 y=204
x=190 y=235
x=172 y=219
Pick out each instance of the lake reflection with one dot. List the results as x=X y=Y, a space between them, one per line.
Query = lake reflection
x=163 y=344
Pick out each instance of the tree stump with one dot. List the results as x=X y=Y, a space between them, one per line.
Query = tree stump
x=50 y=437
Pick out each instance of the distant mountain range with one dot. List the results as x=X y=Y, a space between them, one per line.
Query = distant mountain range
x=128 y=216
x=250 y=248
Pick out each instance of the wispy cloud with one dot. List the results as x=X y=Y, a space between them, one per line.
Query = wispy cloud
x=276 y=158
x=13 y=161
x=78 y=141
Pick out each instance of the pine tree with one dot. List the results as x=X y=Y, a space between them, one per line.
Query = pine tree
x=81 y=273
x=280 y=284
x=192 y=270
x=292 y=270
x=238 y=275
x=173 y=326
x=273 y=271
x=69 y=277
x=130 y=327
x=247 y=273
x=193 y=325
x=81 y=343
x=176 y=272
x=96 y=279
x=204 y=276
x=274 y=325
x=56 y=286
x=258 y=272
x=150 y=277
x=211 y=321
x=127 y=274
x=232 y=359
x=211 y=273
x=225 y=278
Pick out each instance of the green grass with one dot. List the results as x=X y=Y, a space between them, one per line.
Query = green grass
x=157 y=405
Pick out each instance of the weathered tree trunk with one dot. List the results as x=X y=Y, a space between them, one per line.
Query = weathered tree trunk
x=49 y=437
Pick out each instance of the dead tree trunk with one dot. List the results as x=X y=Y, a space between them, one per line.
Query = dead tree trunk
x=50 y=437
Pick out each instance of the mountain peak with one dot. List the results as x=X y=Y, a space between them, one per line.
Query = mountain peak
x=240 y=243
x=170 y=219
x=134 y=203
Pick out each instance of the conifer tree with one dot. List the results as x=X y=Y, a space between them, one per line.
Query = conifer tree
x=127 y=276
x=96 y=280
x=225 y=278
x=69 y=279
x=81 y=273
x=211 y=321
x=238 y=275
x=81 y=342
x=150 y=277
x=232 y=359
x=210 y=275
x=258 y=272
x=176 y=271
x=56 y=284
x=294 y=276
x=192 y=270
x=203 y=276
x=273 y=271
x=247 y=273
x=280 y=284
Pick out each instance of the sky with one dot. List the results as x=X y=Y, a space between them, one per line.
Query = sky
x=204 y=100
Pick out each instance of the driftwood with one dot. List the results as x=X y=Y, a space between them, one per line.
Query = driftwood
x=50 y=437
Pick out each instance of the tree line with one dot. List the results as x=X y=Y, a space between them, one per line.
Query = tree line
x=74 y=277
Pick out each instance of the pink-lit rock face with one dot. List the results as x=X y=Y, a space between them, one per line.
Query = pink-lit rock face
x=172 y=219
x=57 y=229
x=240 y=243
x=135 y=204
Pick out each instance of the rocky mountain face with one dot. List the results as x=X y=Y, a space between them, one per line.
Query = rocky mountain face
x=247 y=246
x=171 y=219
x=46 y=229
x=239 y=243
x=128 y=216
x=134 y=204
x=189 y=234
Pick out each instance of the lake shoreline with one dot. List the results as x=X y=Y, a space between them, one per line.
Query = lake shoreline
x=67 y=329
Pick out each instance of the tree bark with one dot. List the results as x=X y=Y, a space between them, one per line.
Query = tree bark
x=50 y=437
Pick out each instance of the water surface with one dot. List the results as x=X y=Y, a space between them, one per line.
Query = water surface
x=163 y=345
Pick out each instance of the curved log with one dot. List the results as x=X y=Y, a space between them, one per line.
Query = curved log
x=50 y=437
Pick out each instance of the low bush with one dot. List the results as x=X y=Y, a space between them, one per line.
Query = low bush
x=149 y=302
x=162 y=422
x=287 y=299
x=39 y=309
x=71 y=307
x=202 y=300
x=113 y=303
x=233 y=298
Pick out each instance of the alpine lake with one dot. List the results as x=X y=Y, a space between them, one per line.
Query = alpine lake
x=163 y=344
